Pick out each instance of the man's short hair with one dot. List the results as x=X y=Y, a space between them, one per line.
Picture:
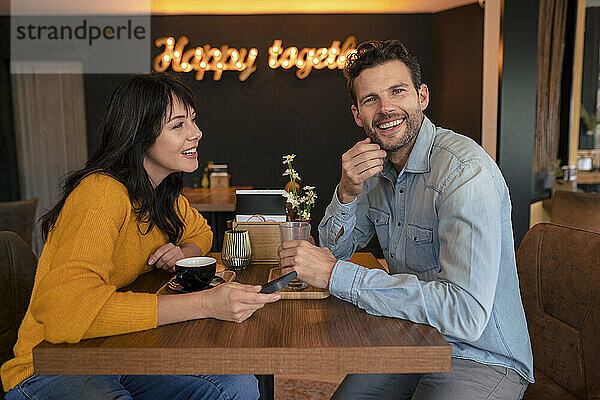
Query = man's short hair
x=375 y=52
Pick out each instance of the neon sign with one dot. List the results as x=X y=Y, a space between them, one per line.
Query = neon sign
x=202 y=59
x=308 y=58
x=206 y=58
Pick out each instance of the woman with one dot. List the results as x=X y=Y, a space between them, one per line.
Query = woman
x=120 y=216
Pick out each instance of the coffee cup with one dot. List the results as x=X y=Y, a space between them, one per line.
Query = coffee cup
x=195 y=273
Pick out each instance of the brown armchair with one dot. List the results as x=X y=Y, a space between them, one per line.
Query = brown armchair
x=576 y=209
x=559 y=275
x=19 y=217
x=17 y=271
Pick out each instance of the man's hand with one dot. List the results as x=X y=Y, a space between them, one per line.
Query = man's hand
x=362 y=161
x=313 y=264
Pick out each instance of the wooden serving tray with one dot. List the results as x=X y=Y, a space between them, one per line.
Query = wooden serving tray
x=310 y=292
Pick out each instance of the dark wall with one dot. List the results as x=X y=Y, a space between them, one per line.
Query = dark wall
x=458 y=69
x=9 y=175
x=517 y=107
x=250 y=125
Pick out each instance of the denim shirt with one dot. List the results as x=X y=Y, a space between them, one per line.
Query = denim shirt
x=444 y=224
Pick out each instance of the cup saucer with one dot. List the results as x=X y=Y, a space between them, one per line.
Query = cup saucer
x=174 y=286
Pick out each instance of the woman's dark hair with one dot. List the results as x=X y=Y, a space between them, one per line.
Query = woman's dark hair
x=375 y=52
x=133 y=119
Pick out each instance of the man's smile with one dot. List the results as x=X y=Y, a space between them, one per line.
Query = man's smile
x=389 y=125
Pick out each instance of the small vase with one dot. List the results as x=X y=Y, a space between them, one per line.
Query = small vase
x=205 y=183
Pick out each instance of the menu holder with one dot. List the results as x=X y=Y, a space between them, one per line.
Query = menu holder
x=264 y=240
x=311 y=292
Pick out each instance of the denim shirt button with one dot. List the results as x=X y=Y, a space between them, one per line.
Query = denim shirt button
x=399 y=223
x=392 y=255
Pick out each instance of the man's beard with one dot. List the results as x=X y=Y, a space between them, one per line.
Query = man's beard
x=412 y=124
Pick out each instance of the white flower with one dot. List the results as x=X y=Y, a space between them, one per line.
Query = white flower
x=288 y=158
x=304 y=215
x=310 y=195
x=290 y=198
x=300 y=204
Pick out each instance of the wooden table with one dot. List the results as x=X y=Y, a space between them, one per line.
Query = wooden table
x=592 y=177
x=212 y=200
x=289 y=337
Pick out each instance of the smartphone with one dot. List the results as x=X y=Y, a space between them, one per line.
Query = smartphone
x=279 y=283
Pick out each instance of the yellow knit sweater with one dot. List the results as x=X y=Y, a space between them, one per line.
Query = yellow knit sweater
x=94 y=249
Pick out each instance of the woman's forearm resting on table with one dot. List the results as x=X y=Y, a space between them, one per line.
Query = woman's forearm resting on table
x=231 y=301
x=181 y=307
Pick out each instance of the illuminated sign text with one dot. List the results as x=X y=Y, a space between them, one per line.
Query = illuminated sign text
x=206 y=58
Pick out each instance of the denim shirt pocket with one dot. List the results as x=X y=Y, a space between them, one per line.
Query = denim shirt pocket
x=381 y=220
x=420 y=254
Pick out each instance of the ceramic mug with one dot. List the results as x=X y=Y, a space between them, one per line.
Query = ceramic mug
x=195 y=273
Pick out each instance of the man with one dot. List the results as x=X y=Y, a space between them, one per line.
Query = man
x=441 y=211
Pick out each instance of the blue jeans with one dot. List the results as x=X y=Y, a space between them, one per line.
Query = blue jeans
x=123 y=387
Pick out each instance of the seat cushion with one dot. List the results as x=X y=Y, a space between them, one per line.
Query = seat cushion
x=545 y=389
x=17 y=272
x=19 y=217
x=560 y=286
x=577 y=210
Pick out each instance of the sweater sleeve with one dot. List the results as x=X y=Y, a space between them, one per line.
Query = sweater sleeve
x=197 y=230
x=74 y=299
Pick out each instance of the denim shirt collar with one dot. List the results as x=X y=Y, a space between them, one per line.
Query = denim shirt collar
x=418 y=161
x=419 y=158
